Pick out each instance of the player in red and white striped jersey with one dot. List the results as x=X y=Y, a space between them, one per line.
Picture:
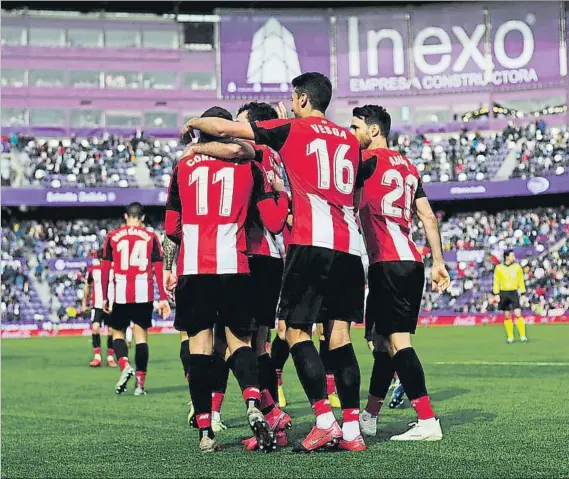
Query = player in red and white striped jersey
x=134 y=251
x=324 y=277
x=93 y=289
x=208 y=202
x=266 y=265
x=396 y=274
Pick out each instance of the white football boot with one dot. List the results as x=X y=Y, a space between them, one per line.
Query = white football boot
x=422 y=430
x=368 y=424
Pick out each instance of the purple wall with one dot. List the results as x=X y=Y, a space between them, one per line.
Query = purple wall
x=92 y=23
x=135 y=59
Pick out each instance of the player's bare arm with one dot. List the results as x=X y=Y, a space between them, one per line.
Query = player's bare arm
x=221 y=127
x=85 y=294
x=233 y=149
x=158 y=266
x=170 y=250
x=357 y=199
x=106 y=264
x=173 y=218
x=440 y=279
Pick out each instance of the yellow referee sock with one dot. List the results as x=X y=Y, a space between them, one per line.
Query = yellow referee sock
x=509 y=325
x=521 y=325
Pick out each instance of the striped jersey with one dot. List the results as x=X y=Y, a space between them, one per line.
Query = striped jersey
x=260 y=241
x=207 y=206
x=322 y=161
x=134 y=252
x=392 y=184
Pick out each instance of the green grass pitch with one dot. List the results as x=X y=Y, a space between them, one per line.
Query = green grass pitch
x=500 y=419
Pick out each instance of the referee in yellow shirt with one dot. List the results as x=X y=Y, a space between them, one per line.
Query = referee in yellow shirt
x=508 y=284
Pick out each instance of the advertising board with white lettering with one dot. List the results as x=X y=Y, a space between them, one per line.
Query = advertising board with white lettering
x=447 y=50
x=453 y=190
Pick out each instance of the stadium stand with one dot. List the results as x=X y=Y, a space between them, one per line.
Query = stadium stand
x=473 y=241
x=466 y=156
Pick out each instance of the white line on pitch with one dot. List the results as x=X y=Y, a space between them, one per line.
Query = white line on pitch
x=498 y=363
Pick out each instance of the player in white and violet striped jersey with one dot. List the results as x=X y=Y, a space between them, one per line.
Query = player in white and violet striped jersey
x=135 y=253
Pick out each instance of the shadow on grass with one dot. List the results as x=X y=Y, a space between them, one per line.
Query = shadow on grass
x=168 y=389
x=457 y=418
x=446 y=394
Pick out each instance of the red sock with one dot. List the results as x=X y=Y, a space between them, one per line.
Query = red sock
x=350 y=415
x=267 y=400
x=110 y=352
x=321 y=407
x=423 y=408
x=97 y=350
x=123 y=362
x=330 y=384
x=374 y=404
x=279 y=377
x=140 y=378
x=252 y=394
x=203 y=420
x=216 y=401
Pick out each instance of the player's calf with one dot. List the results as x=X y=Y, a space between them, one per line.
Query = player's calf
x=412 y=377
x=141 y=361
x=381 y=376
x=346 y=369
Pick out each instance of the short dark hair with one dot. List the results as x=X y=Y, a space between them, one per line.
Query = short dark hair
x=317 y=88
x=507 y=253
x=213 y=112
x=374 y=115
x=217 y=112
x=135 y=210
x=258 y=111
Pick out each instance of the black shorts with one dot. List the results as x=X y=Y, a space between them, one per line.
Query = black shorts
x=99 y=316
x=321 y=284
x=139 y=313
x=266 y=278
x=395 y=295
x=205 y=300
x=509 y=300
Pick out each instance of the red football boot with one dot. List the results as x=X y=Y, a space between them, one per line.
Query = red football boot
x=251 y=443
x=319 y=438
x=95 y=363
x=278 y=420
x=356 y=445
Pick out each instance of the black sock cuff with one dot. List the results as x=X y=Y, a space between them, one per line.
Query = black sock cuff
x=200 y=361
x=264 y=358
x=240 y=352
x=403 y=353
x=230 y=364
x=302 y=346
x=184 y=349
x=382 y=355
x=341 y=356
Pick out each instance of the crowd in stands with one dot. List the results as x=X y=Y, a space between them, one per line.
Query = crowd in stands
x=537 y=233
x=540 y=151
x=111 y=160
